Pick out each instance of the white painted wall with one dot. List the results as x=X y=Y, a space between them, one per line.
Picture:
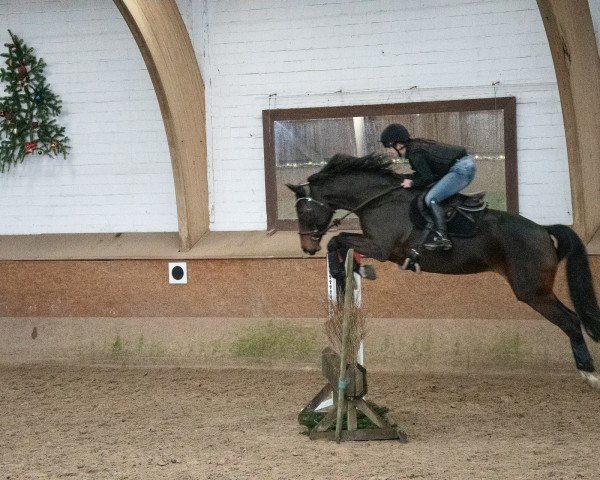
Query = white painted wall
x=304 y=53
x=118 y=176
x=256 y=55
x=595 y=11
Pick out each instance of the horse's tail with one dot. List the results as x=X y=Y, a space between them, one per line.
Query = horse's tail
x=579 y=278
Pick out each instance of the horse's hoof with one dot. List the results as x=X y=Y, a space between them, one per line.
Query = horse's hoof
x=367 y=271
x=410 y=265
x=591 y=379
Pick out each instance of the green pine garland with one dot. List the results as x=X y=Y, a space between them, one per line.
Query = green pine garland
x=27 y=124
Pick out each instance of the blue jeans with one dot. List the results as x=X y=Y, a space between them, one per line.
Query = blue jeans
x=458 y=177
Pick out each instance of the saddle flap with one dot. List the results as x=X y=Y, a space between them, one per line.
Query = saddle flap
x=471 y=208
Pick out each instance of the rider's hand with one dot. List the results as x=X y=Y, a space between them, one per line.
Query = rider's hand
x=406 y=183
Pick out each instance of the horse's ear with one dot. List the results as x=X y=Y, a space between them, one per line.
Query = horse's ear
x=297 y=189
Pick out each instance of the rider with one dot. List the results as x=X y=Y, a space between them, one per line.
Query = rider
x=448 y=167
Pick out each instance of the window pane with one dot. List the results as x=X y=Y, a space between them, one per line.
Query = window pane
x=302 y=147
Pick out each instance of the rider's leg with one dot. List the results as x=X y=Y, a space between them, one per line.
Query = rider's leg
x=460 y=175
x=440 y=239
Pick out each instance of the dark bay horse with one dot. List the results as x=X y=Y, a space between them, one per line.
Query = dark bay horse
x=525 y=253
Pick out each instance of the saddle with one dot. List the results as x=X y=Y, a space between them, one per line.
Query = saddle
x=463 y=212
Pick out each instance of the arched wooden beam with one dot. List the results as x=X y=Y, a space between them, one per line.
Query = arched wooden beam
x=570 y=32
x=163 y=39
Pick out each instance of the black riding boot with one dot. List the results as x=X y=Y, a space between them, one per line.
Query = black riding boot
x=440 y=237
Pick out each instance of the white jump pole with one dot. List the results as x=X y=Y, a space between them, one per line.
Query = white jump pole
x=332 y=298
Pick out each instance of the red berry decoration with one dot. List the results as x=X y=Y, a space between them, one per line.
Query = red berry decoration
x=30 y=147
x=22 y=70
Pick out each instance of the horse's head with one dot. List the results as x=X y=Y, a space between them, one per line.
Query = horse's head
x=314 y=218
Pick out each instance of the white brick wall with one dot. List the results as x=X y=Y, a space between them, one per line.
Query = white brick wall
x=118 y=176
x=307 y=53
x=327 y=53
x=595 y=11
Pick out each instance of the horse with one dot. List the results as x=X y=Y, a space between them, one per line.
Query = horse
x=525 y=253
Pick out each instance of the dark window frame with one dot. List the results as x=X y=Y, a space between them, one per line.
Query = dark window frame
x=506 y=104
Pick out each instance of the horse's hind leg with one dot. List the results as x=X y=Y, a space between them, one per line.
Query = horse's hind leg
x=568 y=321
x=533 y=286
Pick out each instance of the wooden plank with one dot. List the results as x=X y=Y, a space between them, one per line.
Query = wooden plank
x=356 y=375
x=369 y=412
x=364 y=434
x=143 y=245
x=326 y=422
x=163 y=40
x=352 y=422
x=570 y=33
x=348 y=303
x=323 y=395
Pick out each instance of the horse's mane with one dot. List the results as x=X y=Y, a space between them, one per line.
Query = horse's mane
x=341 y=163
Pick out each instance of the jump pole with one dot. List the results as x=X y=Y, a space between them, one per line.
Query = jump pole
x=332 y=299
x=347 y=311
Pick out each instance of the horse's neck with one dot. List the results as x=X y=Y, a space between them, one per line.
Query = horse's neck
x=350 y=194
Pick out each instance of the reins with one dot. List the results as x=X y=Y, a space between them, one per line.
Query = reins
x=316 y=234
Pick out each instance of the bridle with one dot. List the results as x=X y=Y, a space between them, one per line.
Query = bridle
x=316 y=234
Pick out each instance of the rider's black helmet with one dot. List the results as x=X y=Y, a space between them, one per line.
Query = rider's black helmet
x=393 y=134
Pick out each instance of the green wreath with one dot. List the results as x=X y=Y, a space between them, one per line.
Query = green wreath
x=27 y=112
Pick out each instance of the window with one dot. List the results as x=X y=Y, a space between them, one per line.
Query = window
x=298 y=143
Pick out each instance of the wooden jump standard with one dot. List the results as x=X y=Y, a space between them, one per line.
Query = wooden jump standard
x=348 y=383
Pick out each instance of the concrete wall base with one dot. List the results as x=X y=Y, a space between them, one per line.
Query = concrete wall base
x=438 y=345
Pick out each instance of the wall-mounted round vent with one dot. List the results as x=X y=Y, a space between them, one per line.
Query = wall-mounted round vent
x=177 y=272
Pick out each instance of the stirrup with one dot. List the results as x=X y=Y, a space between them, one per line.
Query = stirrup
x=439 y=242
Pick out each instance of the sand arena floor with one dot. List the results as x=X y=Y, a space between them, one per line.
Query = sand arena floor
x=137 y=422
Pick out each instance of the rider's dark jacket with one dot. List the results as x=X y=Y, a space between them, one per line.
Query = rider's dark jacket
x=431 y=160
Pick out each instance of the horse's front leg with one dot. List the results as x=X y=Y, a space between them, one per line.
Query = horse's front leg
x=338 y=247
x=361 y=244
